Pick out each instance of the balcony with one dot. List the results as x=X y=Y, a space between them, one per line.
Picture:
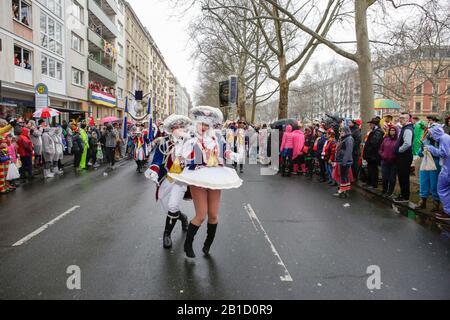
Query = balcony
x=104 y=72
x=95 y=39
x=23 y=75
x=100 y=17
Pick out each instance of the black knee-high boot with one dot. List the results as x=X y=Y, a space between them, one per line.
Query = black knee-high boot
x=211 y=233
x=184 y=222
x=171 y=220
x=192 y=230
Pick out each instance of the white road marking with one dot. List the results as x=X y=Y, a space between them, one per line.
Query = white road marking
x=253 y=217
x=44 y=227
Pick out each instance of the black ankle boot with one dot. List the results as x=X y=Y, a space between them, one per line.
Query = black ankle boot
x=211 y=233
x=184 y=222
x=171 y=220
x=192 y=230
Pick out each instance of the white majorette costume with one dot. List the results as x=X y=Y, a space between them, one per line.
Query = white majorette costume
x=205 y=172
x=202 y=153
x=167 y=159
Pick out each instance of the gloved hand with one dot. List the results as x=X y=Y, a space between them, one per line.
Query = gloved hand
x=151 y=175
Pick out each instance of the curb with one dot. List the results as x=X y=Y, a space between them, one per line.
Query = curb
x=407 y=207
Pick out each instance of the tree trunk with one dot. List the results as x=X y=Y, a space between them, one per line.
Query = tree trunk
x=241 y=99
x=365 y=69
x=284 y=89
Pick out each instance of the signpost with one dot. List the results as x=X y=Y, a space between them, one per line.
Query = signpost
x=233 y=92
x=41 y=96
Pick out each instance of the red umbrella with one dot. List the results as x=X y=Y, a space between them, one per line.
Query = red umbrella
x=46 y=113
x=109 y=120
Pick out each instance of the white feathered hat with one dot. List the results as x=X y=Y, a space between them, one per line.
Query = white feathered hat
x=205 y=114
x=176 y=120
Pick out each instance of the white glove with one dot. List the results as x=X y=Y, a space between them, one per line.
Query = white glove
x=151 y=175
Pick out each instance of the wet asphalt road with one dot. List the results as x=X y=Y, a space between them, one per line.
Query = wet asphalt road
x=271 y=230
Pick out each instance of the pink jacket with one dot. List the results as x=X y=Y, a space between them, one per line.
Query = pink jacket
x=12 y=153
x=299 y=142
x=288 y=139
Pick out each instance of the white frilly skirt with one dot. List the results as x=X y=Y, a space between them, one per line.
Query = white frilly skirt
x=215 y=178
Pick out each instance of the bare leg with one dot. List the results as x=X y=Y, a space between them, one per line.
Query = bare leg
x=213 y=206
x=200 y=198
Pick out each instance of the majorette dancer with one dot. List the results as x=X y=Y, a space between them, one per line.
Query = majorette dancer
x=167 y=159
x=205 y=174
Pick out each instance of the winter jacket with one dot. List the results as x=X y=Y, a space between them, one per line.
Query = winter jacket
x=24 y=143
x=110 y=138
x=12 y=153
x=329 y=150
x=288 y=139
x=372 y=145
x=387 y=149
x=59 y=146
x=299 y=143
x=48 y=146
x=77 y=143
x=344 y=150
x=405 y=141
x=318 y=146
x=357 y=139
x=36 y=138
x=419 y=130
x=309 y=145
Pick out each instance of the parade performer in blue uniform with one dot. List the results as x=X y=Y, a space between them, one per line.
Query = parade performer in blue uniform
x=167 y=159
x=205 y=173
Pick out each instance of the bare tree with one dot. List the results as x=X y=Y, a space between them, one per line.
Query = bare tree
x=417 y=56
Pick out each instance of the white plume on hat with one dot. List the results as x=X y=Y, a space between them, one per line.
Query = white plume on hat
x=176 y=120
x=206 y=114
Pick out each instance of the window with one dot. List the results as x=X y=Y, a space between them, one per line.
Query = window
x=418 y=106
x=435 y=108
x=51 y=34
x=77 y=43
x=51 y=67
x=77 y=11
x=77 y=77
x=120 y=27
x=21 y=12
x=447 y=106
x=419 y=89
x=120 y=50
x=22 y=57
x=54 y=6
x=120 y=5
x=120 y=71
x=99 y=112
x=119 y=93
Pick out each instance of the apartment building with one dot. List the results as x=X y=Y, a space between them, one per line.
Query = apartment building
x=32 y=51
x=182 y=100
x=102 y=59
x=91 y=54
x=76 y=71
x=138 y=43
x=420 y=81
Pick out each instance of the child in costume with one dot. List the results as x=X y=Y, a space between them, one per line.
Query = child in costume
x=205 y=174
x=167 y=159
